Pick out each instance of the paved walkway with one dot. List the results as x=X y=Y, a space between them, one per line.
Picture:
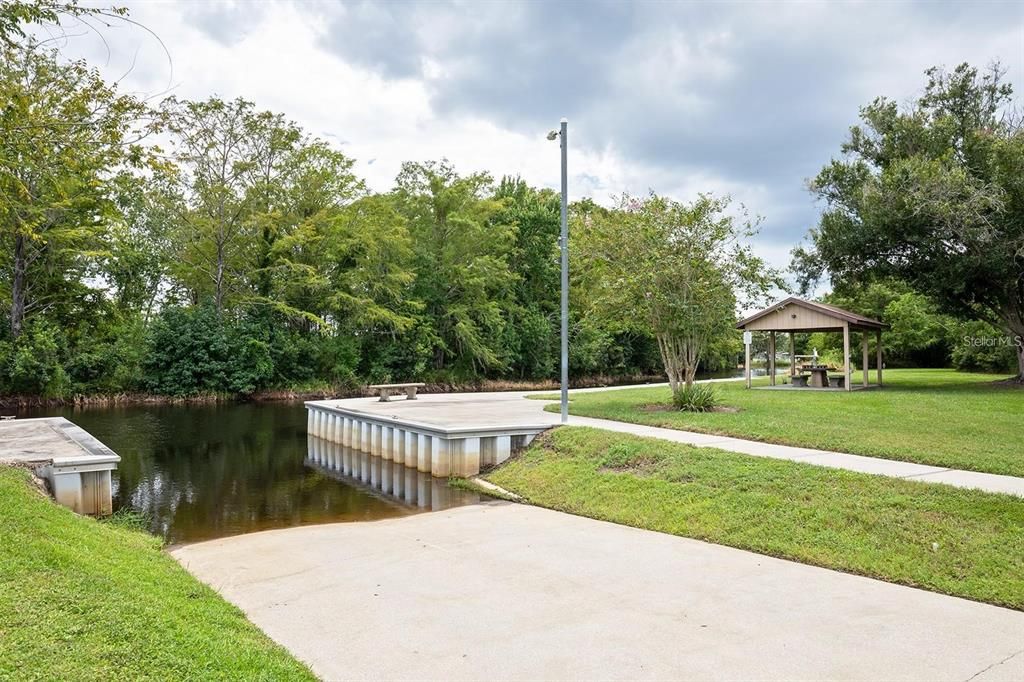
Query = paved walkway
x=993 y=483
x=837 y=460
x=505 y=591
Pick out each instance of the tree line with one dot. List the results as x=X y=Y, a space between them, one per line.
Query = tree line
x=209 y=246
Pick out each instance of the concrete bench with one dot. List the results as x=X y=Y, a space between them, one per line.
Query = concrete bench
x=837 y=382
x=801 y=380
x=386 y=390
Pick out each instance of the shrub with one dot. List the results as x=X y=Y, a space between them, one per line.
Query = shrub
x=978 y=346
x=107 y=363
x=195 y=350
x=32 y=363
x=695 y=398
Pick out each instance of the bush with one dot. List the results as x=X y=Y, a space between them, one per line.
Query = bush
x=695 y=398
x=32 y=364
x=978 y=346
x=195 y=350
x=108 y=362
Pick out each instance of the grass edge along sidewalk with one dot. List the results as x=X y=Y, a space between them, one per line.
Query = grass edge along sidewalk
x=82 y=599
x=942 y=418
x=959 y=542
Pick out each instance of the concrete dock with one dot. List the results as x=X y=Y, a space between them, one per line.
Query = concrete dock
x=442 y=434
x=76 y=465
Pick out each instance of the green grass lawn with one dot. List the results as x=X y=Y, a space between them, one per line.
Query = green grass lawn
x=870 y=525
x=80 y=599
x=940 y=417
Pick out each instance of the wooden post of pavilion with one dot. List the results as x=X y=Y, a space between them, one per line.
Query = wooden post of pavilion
x=771 y=358
x=864 y=360
x=846 y=357
x=878 y=360
x=746 y=364
x=792 y=355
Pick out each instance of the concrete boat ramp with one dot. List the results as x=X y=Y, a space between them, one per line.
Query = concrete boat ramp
x=502 y=591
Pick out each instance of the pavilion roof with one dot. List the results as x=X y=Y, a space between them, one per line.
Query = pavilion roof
x=836 y=312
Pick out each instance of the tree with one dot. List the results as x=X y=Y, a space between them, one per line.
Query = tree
x=463 y=276
x=531 y=337
x=212 y=216
x=65 y=136
x=681 y=269
x=351 y=266
x=932 y=195
x=291 y=178
x=246 y=179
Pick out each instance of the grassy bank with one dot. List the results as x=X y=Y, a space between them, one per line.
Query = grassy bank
x=870 y=525
x=80 y=599
x=940 y=417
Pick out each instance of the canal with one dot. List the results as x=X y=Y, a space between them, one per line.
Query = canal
x=197 y=472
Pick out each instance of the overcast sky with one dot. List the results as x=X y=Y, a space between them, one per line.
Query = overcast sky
x=747 y=98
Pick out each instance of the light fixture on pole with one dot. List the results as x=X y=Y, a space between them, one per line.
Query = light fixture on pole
x=563 y=243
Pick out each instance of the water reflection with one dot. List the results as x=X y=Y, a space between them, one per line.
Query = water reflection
x=393 y=481
x=199 y=472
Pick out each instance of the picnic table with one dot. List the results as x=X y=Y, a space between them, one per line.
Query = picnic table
x=819 y=376
x=386 y=390
x=816 y=376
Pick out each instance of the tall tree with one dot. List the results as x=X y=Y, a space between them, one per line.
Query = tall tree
x=463 y=276
x=932 y=194
x=210 y=148
x=65 y=136
x=531 y=337
x=682 y=269
x=247 y=178
x=352 y=267
x=309 y=190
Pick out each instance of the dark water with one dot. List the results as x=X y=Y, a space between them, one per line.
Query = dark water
x=207 y=471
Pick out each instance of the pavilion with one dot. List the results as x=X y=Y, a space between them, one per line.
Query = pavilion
x=794 y=315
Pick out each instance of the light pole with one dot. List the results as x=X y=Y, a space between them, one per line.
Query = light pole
x=563 y=242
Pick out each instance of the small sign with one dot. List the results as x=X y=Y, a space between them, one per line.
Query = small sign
x=748 y=338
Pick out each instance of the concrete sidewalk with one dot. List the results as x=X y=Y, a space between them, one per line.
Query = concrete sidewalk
x=504 y=591
x=993 y=483
x=451 y=409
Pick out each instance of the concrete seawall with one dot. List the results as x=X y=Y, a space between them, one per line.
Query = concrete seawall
x=444 y=435
x=76 y=465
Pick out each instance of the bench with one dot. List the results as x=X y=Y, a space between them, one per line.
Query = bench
x=386 y=390
x=837 y=382
x=801 y=380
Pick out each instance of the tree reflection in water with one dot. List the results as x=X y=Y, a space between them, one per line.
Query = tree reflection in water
x=205 y=471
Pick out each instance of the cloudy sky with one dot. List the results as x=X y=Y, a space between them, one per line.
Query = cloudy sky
x=746 y=98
